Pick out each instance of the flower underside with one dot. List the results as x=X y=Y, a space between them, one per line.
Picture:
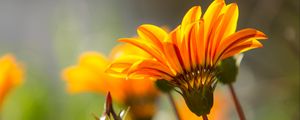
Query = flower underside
x=195 y=79
x=197 y=86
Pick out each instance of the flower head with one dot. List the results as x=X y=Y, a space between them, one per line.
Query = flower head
x=11 y=75
x=187 y=57
x=89 y=76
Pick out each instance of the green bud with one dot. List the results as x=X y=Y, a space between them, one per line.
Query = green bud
x=228 y=70
x=200 y=101
x=109 y=112
x=163 y=85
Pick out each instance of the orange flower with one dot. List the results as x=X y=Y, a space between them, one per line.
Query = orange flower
x=89 y=76
x=11 y=75
x=187 y=57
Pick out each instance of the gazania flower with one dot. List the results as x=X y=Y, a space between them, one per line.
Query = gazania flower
x=11 y=75
x=89 y=76
x=187 y=57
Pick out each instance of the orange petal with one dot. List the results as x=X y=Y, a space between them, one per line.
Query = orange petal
x=229 y=21
x=185 y=47
x=211 y=14
x=210 y=41
x=118 y=70
x=191 y=16
x=201 y=43
x=172 y=55
x=151 y=64
x=140 y=87
x=119 y=67
x=226 y=27
x=193 y=45
x=93 y=60
x=89 y=76
x=10 y=68
x=153 y=34
x=212 y=18
x=83 y=79
x=145 y=46
x=242 y=47
x=125 y=50
x=238 y=37
x=11 y=75
x=148 y=73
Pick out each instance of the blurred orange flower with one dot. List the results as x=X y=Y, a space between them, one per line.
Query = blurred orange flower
x=11 y=75
x=89 y=76
x=188 y=56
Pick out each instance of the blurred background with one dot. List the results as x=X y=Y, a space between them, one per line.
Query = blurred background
x=49 y=35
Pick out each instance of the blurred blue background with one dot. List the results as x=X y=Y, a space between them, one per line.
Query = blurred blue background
x=48 y=35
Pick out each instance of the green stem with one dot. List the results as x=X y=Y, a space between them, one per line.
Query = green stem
x=237 y=103
x=204 y=117
x=173 y=105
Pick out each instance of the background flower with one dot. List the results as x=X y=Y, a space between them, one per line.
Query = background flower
x=11 y=75
x=89 y=76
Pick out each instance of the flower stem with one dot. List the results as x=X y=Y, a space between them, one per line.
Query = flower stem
x=173 y=105
x=237 y=103
x=204 y=117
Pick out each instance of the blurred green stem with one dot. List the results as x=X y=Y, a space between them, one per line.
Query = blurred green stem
x=237 y=103
x=173 y=105
x=204 y=117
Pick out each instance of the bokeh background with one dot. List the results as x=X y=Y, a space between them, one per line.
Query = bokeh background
x=48 y=35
